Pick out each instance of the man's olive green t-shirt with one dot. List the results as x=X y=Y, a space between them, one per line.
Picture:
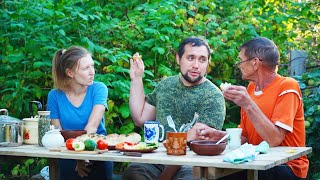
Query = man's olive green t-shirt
x=171 y=97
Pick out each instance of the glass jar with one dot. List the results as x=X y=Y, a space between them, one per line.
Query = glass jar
x=43 y=125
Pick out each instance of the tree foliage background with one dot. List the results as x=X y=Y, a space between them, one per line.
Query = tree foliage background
x=32 y=31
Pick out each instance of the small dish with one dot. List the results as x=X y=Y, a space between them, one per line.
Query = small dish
x=207 y=147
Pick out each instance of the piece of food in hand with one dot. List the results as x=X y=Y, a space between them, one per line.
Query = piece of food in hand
x=90 y=145
x=78 y=145
x=102 y=144
x=137 y=56
x=69 y=143
x=225 y=86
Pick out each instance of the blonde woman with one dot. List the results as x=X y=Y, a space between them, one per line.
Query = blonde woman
x=77 y=102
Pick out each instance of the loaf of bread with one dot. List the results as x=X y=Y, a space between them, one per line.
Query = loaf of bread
x=113 y=139
x=133 y=138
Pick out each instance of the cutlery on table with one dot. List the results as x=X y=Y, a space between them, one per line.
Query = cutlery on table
x=223 y=138
x=136 y=154
x=182 y=127
x=186 y=127
x=171 y=123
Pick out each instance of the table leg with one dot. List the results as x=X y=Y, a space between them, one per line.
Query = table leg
x=252 y=175
x=53 y=169
x=212 y=172
x=203 y=173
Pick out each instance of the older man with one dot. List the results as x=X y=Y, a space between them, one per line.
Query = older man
x=271 y=106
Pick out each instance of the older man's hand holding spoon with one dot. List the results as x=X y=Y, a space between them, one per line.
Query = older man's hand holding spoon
x=208 y=133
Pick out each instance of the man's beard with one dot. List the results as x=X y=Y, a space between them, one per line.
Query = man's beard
x=188 y=79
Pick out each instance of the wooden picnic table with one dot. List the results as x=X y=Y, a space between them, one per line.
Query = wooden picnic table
x=205 y=167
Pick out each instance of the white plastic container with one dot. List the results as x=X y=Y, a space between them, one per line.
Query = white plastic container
x=30 y=130
x=53 y=139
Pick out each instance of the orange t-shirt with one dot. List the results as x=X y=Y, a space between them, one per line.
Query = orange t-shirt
x=281 y=102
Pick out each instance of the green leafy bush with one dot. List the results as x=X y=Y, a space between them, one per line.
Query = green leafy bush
x=310 y=85
x=31 y=31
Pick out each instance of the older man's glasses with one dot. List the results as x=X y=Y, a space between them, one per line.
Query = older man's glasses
x=240 y=62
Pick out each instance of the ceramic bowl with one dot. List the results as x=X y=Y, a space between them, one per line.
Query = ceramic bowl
x=67 y=134
x=207 y=148
x=188 y=144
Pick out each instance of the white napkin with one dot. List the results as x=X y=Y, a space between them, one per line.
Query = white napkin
x=245 y=153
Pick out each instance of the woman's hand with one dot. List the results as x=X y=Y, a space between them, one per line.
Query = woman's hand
x=82 y=168
x=169 y=172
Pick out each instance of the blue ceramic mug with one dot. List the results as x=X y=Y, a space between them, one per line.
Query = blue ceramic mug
x=152 y=132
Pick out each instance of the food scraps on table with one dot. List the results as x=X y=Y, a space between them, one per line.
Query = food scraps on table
x=291 y=151
x=136 y=146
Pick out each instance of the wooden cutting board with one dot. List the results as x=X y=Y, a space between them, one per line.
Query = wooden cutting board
x=80 y=152
x=86 y=152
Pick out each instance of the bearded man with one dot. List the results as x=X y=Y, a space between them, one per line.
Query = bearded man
x=180 y=96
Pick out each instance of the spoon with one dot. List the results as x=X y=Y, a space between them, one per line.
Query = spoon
x=186 y=127
x=181 y=128
x=171 y=123
x=223 y=138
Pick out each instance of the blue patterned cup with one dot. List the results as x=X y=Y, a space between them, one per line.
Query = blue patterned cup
x=152 y=132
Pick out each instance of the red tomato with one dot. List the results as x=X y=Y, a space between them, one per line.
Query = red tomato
x=102 y=144
x=69 y=143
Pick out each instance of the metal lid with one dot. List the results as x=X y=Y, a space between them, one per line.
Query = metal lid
x=6 y=119
x=32 y=119
x=44 y=113
x=54 y=131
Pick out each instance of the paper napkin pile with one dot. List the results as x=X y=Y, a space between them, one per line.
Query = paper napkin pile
x=246 y=153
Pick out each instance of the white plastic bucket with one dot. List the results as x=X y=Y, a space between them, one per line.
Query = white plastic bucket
x=30 y=130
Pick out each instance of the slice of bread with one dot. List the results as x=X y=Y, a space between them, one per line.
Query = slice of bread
x=133 y=138
x=114 y=139
x=225 y=86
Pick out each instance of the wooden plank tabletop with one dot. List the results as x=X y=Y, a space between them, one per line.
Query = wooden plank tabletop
x=275 y=156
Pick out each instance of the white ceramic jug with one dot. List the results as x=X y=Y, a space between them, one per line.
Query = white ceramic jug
x=53 y=139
